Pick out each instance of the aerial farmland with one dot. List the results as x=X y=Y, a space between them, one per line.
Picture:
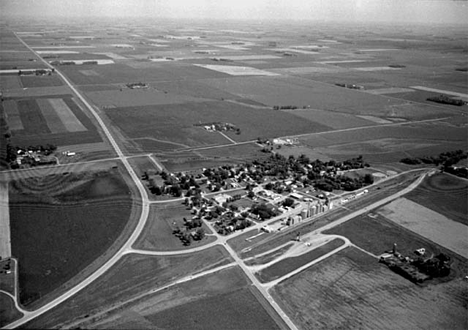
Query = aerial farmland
x=232 y=174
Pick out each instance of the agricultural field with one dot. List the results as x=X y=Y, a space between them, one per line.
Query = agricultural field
x=53 y=216
x=366 y=232
x=54 y=119
x=40 y=81
x=351 y=290
x=158 y=236
x=444 y=194
x=5 y=240
x=132 y=276
x=176 y=124
x=427 y=223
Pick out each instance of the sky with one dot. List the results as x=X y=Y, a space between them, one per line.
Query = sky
x=415 y=11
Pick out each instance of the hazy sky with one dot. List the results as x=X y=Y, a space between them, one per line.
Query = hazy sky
x=418 y=11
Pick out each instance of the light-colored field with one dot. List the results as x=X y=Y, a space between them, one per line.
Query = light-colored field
x=54 y=123
x=331 y=119
x=99 y=62
x=377 y=68
x=432 y=225
x=377 y=50
x=376 y=119
x=112 y=56
x=342 y=61
x=84 y=147
x=351 y=290
x=136 y=97
x=5 y=240
x=60 y=47
x=89 y=73
x=66 y=115
x=57 y=52
x=33 y=92
x=233 y=47
x=309 y=70
x=13 y=115
x=390 y=90
x=427 y=89
x=250 y=57
x=237 y=70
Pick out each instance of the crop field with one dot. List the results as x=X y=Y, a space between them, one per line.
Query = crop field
x=350 y=290
x=40 y=81
x=444 y=194
x=157 y=235
x=53 y=217
x=8 y=311
x=12 y=115
x=427 y=223
x=194 y=88
x=131 y=276
x=10 y=82
x=120 y=73
x=56 y=120
x=287 y=265
x=237 y=70
x=175 y=123
x=225 y=294
x=335 y=120
x=134 y=97
x=5 y=241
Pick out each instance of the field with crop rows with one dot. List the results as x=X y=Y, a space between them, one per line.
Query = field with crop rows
x=350 y=290
x=53 y=218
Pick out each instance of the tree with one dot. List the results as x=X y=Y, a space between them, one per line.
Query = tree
x=368 y=179
x=288 y=202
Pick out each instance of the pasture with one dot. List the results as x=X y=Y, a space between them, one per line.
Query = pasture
x=444 y=194
x=427 y=223
x=132 y=276
x=351 y=290
x=53 y=217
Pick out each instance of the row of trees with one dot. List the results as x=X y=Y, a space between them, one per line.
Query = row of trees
x=448 y=158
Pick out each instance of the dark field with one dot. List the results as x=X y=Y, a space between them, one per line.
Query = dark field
x=287 y=265
x=445 y=194
x=132 y=275
x=350 y=290
x=60 y=224
x=40 y=81
x=8 y=311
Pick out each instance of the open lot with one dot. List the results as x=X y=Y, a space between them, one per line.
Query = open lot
x=427 y=223
x=445 y=194
x=130 y=277
x=53 y=217
x=158 y=236
x=351 y=290
x=287 y=265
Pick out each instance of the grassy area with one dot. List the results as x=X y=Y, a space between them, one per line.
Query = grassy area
x=350 y=290
x=130 y=277
x=54 y=217
x=40 y=81
x=157 y=234
x=228 y=301
x=376 y=234
x=8 y=311
x=445 y=194
x=288 y=265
